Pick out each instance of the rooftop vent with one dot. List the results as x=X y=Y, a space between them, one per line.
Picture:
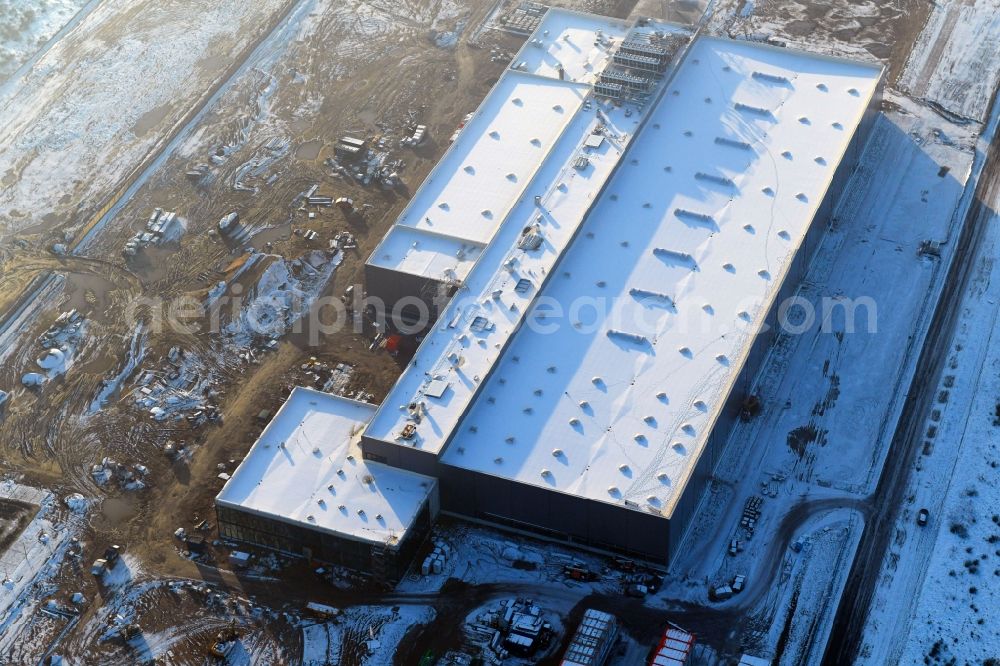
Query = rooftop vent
x=663 y=477
x=756 y=110
x=546 y=473
x=694 y=216
x=787 y=154
x=574 y=422
x=494 y=134
x=728 y=267
x=732 y=143
x=661 y=396
x=510 y=440
x=771 y=78
x=624 y=469
x=821 y=86
x=625 y=335
x=721 y=180
x=498 y=460
x=557 y=453
x=613 y=490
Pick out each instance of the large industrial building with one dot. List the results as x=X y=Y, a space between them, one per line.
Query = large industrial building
x=614 y=230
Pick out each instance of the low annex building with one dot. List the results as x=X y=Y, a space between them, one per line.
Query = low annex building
x=676 y=188
x=305 y=489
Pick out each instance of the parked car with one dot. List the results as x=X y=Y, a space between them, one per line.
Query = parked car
x=637 y=590
x=623 y=564
x=99 y=567
x=922 y=517
x=739 y=582
x=579 y=573
x=734 y=546
x=720 y=593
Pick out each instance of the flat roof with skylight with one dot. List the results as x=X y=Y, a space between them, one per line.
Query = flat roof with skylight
x=306 y=468
x=475 y=325
x=463 y=201
x=683 y=254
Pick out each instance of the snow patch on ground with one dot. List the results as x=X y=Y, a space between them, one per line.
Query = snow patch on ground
x=25 y=26
x=363 y=634
x=954 y=62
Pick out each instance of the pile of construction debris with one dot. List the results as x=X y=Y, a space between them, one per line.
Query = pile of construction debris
x=162 y=227
x=514 y=626
x=60 y=343
x=353 y=159
x=127 y=478
x=178 y=390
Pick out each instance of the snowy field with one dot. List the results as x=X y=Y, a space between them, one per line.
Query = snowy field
x=86 y=113
x=27 y=25
x=957 y=608
x=960 y=38
x=938 y=591
x=366 y=635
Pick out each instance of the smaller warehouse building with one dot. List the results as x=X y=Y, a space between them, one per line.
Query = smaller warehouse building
x=304 y=489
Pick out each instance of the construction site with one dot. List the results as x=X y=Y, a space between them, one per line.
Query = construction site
x=283 y=379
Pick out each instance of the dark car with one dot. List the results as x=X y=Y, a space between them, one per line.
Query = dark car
x=922 y=516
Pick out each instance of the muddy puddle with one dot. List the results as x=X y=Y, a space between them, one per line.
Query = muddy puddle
x=309 y=150
x=150 y=120
x=119 y=510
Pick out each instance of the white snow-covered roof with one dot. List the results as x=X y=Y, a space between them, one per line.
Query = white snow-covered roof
x=571 y=39
x=306 y=468
x=419 y=252
x=473 y=328
x=469 y=193
x=669 y=279
x=479 y=179
x=476 y=323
